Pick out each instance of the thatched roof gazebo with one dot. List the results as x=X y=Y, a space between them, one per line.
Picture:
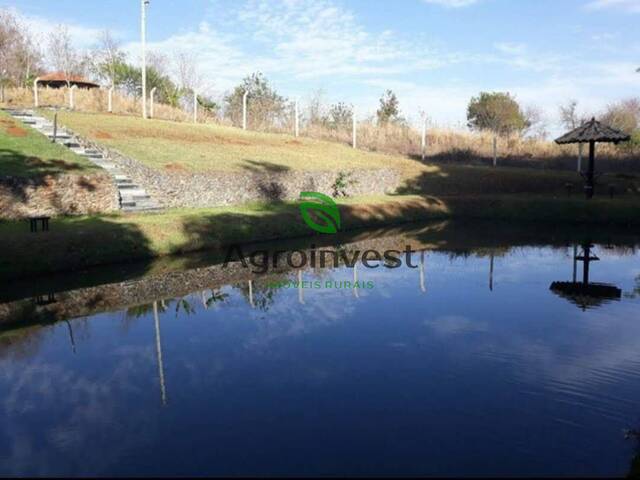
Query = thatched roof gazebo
x=592 y=132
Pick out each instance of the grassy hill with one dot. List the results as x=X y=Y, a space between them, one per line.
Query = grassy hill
x=183 y=146
x=162 y=144
x=27 y=153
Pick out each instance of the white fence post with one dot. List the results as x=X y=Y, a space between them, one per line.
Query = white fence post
x=152 y=98
x=579 y=157
x=354 y=134
x=495 y=151
x=110 y=100
x=72 y=103
x=244 y=110
x=195 y=107
x=36 y=100
x=297 y=120
x=424 y=138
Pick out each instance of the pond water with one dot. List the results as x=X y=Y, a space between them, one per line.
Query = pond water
x=468 y=364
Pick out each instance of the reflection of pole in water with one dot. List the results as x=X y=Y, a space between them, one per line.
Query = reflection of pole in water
x=355 y=281
x=422 y=284
x=251 y=294
x=575 y=263
x=73 y=342
x=163 y=390
x=585 y=265
x=300 y=289
x=491 y=273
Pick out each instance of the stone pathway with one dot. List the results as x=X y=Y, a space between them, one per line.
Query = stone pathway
x=133 y=198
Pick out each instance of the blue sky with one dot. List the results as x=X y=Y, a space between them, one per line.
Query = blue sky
x=435 y=54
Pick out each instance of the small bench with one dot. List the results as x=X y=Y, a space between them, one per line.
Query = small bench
x=44 y=223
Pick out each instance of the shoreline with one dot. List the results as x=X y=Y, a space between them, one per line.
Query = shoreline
x=78 y=243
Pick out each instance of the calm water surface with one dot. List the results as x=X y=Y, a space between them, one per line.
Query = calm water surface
x=469 y=364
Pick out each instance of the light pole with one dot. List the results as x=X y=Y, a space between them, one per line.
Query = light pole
x=143 y=29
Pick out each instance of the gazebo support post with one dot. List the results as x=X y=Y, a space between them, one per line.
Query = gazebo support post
x=590 y=186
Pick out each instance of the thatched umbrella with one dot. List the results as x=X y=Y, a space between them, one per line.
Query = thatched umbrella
x=592 y=132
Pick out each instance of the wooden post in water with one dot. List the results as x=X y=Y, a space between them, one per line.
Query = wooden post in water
x=575 y=263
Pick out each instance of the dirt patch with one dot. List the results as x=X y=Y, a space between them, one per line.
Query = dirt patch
x=103 y=135
x=176 y=167
x=16 y=132
x=293 y=142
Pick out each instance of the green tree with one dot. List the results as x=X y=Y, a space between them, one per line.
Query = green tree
x=266 y=108
x=389 y=111
x=129 y=79
x=497 y=112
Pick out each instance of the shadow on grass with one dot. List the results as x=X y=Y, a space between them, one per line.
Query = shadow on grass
x=72 y=244
x=568 y=163
x=20 y=173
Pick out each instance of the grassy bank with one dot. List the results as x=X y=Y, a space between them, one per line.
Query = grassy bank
x=175 y=146
x=27 y=153
x=79 y=242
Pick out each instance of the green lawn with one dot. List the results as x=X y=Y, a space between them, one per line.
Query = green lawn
x=27 y=153
x=183 y=146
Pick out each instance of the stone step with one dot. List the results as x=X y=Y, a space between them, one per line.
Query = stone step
x=133 y=198
x=136 y=195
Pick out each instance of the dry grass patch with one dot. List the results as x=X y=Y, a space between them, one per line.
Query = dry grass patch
x=162 y=144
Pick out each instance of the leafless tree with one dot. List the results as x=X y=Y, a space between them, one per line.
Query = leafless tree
x=19 y=55
x=187 y=73
x=316 y=108
x=536 y=122
x=63 y=55
x=569 y=115
x=106 y=57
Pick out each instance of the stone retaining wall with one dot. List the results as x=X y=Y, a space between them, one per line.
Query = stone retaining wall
x=173 y=189
x=53 y=195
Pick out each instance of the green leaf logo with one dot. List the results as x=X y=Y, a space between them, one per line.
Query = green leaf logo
x=324 y=210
